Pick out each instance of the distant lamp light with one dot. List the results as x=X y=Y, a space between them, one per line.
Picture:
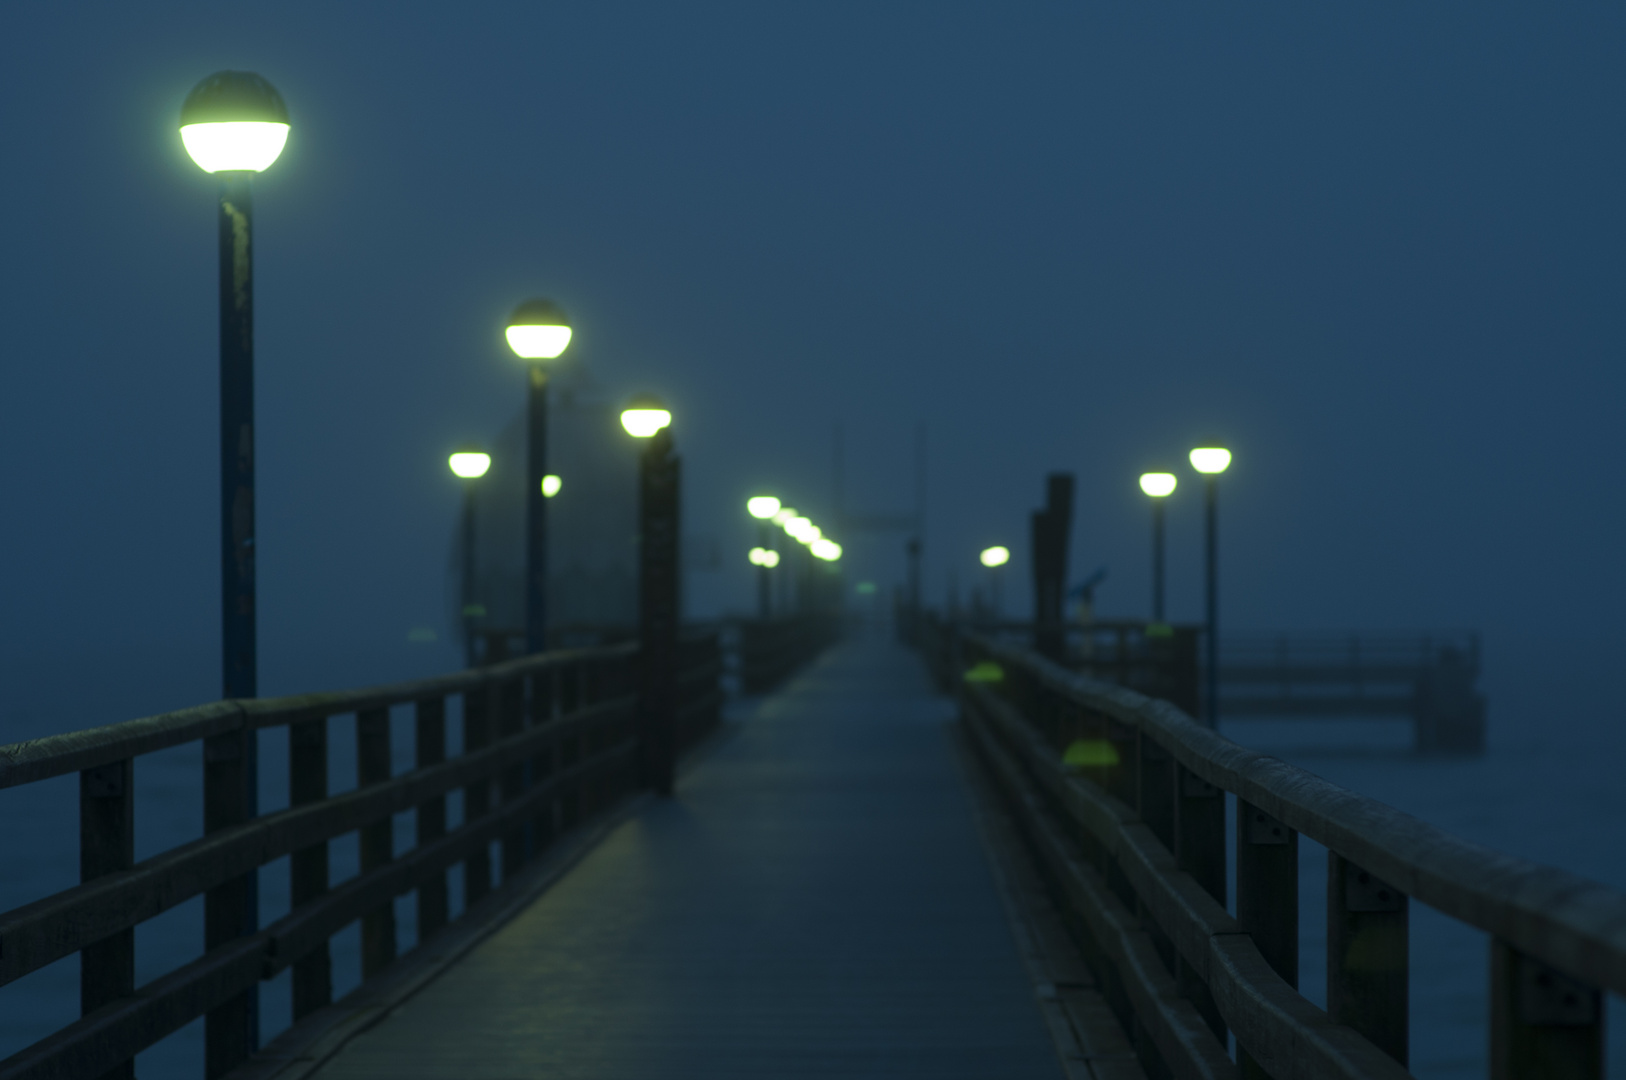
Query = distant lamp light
x=765 y=557
x=995 y=556
x=234 y=121
x=538 y=330
x=762 y=507
x=469 y=464
x=644 y=416
x=1210 y=459
x=783 y=515
x=551 y=485
x=828 y=550
x=1158 y=484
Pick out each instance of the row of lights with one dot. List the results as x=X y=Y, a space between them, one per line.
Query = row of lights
x=797 y=526
x=1209 y=460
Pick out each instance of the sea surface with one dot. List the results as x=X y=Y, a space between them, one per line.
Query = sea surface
x=1547 y=791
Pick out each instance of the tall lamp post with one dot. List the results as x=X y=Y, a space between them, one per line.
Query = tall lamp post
x=1211 y=460
x=1159 y=485
x=233 y=124
x=537 y=331
x=658 y=588
x=763 y=508
x=469 y=466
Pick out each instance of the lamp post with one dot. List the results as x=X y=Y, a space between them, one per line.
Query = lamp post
x=993 y=558
x=233 y=124
x=763 y=508
x=537 y=331
x=469 y=466
x=1159 y=485
x=1211 y=460
x=658 y=588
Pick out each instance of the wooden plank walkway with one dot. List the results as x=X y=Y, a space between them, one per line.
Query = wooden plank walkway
x=815 y=902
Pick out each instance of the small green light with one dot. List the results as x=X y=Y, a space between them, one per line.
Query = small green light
x=1159 y=630
x=986 y=672
x=473 y=611
x=1090 y=753
x=865 y=588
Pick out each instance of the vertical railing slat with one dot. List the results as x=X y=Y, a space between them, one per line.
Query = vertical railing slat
x=230 y=910
x=1543 y=1024
x=106 y=846
x=476 y=796
x=433 y=908
x=1366 y=955
x=377 y=838
x=510 y=704
x=312 y=976
x=1267 y=897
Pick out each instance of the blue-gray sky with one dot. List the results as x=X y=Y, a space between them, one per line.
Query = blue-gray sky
x=1375 y=247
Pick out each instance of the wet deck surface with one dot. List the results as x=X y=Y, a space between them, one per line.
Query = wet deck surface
x=815 y=902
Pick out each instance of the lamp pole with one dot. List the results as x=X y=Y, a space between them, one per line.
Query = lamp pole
x=1211 y=460
x=469 y=466
x=537 y=331
x=659 y=600
x=1158 y=485
x=233 y=124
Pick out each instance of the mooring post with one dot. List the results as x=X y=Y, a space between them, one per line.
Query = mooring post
x=476 y=796
x=1267 y=897
x=106 y=846
x=1543 y=1023
x=1366 y=955
x=377 y=838
x=433 y=909
x=312 y=975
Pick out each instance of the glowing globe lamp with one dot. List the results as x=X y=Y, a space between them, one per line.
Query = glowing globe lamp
x=538 y=330
x=762 y=507
x=1158 y=484
x=828 y=550
x=784 y=514
x=469 y=464
x=644 y=416
x=234 y=121
x=1210 y=459
x=765 y=557
x=551 y=485
x=995 y=556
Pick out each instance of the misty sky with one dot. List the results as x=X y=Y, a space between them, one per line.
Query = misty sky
x=1375 y=248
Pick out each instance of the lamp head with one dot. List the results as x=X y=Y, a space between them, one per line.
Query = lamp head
x=551 y=486
x=644 y=416
x=1210 y=458
x=828 y=550
x=1158 y=484
x=783 y=515
x=469 y=464
x=997 y=555
x=764 y=557
x=762 y=507
x=538 y=330
x=234 y=121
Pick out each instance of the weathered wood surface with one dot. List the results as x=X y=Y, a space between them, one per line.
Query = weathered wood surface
x=813 y=903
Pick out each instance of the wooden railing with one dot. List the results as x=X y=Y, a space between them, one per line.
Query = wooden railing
x=1122 y=799
x=549 y=741
x=772 y=650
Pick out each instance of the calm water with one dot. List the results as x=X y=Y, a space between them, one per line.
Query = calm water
x=1546 y=791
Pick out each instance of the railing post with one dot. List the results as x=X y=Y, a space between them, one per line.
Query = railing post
x=377 y=838
x=230 y=910
x=510 y=721
x=1267 y=897
x=544 y=694
x=106 y=846
x=312 y=975
x=476 y=796
x=1366 y=955
x=1544 y=1024
x=431 y=750
x=1199 y=850
x=658 y=611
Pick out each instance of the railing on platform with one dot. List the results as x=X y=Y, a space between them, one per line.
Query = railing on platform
x=549 y=741
x=772 y=650
x=1122 y=799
